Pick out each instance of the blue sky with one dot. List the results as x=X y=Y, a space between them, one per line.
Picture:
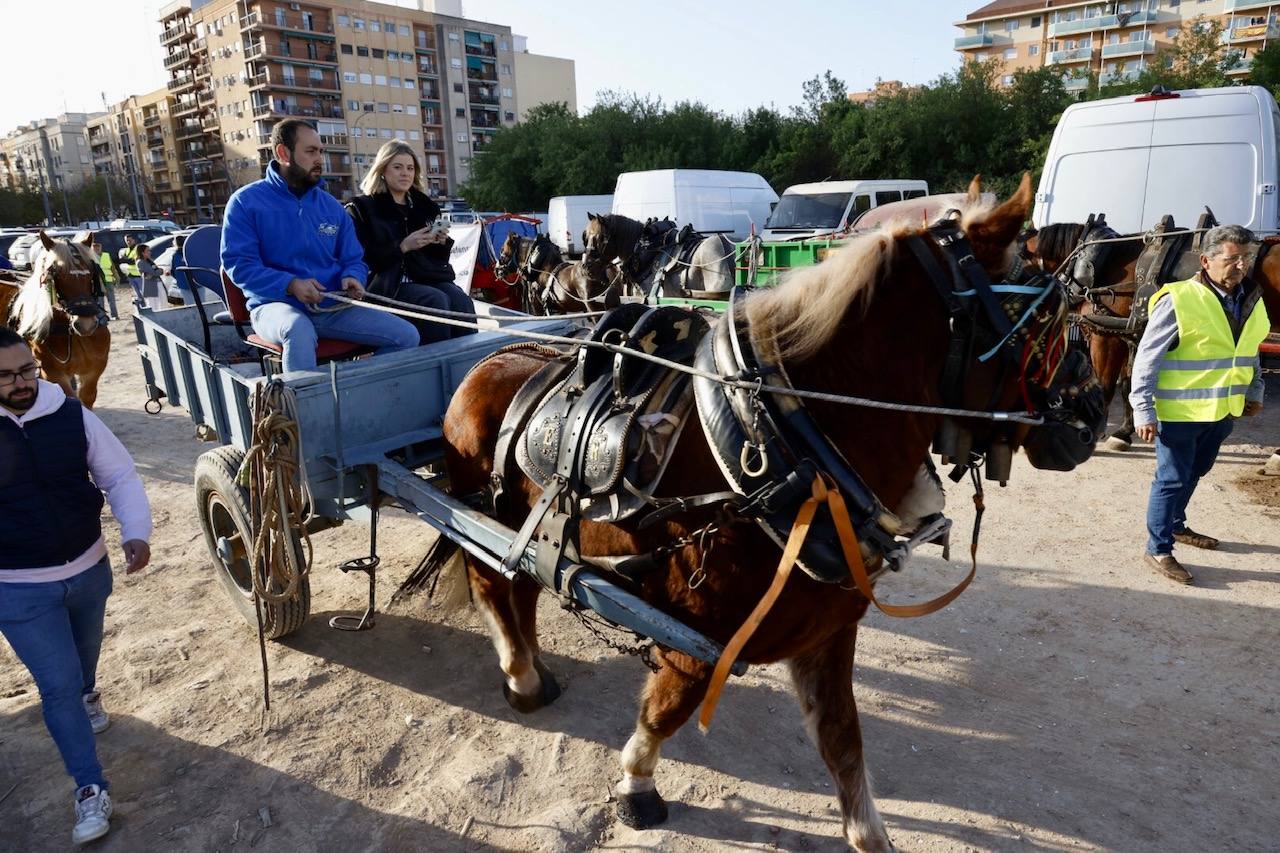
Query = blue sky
x=729 y=55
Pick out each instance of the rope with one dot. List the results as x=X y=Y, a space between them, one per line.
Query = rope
x=446 y=318
x=278 y=500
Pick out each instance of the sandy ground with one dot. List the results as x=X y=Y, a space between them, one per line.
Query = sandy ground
x=1071 y=699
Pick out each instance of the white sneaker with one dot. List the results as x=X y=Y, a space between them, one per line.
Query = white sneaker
x=93 y=814
x=98 y=718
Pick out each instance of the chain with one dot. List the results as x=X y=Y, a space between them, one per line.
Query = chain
x=641 y=647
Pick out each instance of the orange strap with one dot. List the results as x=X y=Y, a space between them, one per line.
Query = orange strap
x=823 y=492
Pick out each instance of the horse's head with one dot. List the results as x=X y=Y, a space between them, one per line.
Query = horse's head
x=1266 y=272
x=597 y=240
x=64 y=279
x=930 y=317
x=544 y=255
x=508 y=255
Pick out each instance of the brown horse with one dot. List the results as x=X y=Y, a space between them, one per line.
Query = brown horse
x=1112 y=294
x=58 y=312
x=869 y=322
x=644 y=253
x=551 y=285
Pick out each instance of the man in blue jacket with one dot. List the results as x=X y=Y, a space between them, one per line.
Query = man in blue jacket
x=286 y=241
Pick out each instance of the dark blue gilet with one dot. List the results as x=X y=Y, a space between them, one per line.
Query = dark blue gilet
x=50 y=511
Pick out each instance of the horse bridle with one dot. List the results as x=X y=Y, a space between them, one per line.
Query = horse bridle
x=87 y=305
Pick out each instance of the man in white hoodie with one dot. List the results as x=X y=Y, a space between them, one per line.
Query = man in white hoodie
x=56 y=460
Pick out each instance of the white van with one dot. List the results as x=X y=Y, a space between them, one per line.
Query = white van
x=730 y=203
x=567 y=218
x=818 y=210
x=1136 y=158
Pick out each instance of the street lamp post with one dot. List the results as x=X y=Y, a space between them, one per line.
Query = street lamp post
x=354 y=126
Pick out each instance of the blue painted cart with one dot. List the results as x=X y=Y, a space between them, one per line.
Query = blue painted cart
x=372 y=422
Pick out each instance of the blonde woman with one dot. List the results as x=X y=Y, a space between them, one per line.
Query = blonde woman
x=407 y=254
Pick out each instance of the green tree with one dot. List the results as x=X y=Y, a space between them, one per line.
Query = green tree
x=1265 y=68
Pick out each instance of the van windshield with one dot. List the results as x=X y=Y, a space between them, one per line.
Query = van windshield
x=810 y=211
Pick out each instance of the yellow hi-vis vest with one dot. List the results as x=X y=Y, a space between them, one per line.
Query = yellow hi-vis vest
x=104 y=261
x=128 y=260
x=1204 y=378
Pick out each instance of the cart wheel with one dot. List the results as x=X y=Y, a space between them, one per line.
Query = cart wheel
x=223 y=506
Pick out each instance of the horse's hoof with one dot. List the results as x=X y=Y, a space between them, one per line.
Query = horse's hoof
x=548 y=692
x=642 y=811
x=1115 y=442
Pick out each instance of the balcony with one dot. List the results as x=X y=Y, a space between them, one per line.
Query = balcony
x=1076 y=84
x=427 y=65
x=1242 y=5
x=1064 y=57
x=1251 y=32
x=181 y=81
x=485 y=120
x=184 y=106
x=204 y=97
x=152 y=120
x=176 y=32
x=188 y=130
x=210 y=123
x=977 y=40
x=482 y=49
x=1241 y=65
x=1109 y=77
x=485 y=74
x=431 y=115
x=283 y=109
x=336 y=139
x=271 y=50
x=424 y=39
x=155 y=139
x=428 y=90
x=483 y=95
x=432 y=142
x=305 y=84
x=1098 y=22
x=303 y=25
x=1137 y=19
x=1129 y=48
x=177 y=57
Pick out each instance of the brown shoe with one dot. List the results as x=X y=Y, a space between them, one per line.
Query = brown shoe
x=1168 y=566
x=1187 y=536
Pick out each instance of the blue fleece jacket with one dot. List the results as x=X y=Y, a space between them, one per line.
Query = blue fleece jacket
x=270 y=237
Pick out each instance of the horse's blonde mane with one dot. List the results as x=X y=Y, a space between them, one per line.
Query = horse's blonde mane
x=32 y=308
x=802 y=313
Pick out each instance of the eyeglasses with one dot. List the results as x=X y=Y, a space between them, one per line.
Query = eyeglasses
x=10 y=377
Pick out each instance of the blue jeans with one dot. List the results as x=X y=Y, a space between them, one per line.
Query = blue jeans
x=444 y=296
x=55 y=629
x=297 y=331
x=1185 y=452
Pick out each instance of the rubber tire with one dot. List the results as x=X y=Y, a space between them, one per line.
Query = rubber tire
x=216 y=492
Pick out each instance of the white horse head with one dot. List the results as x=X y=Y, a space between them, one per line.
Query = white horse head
x=60 y=263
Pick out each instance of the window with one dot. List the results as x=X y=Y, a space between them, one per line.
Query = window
x=379 y=53
x=385 y=133
x=460 y=112
x=400 y=134
x=357 y=23
x=1006 y=80
x=393 y=56
x=346 y=50
x=353 y=105
x=384 y=107
x=408 y=83
x=397 y=108
x=366 y=78
x=506 y=92
x=455 y=63
x=1011 y=53
x=344 y=20
x=1171 y=33
x=404 y=30
x=461 y=137
x=389 y=26
x=1035 y=21
x=361 y=50
x=510 y=116
x=886 y=196
x=349 y=77
x=506 y=70
x=411 y=109
x=457 y=87
x=380 y=79
x=394 y=82
x=357 y=132
x=1010 y=25
x=375 y=26
x=453 y=36
x=1033 y=50
x=502 y=45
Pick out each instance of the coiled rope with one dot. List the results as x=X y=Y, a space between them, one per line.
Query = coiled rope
x=279 y=500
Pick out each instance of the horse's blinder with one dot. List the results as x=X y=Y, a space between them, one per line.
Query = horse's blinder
x=1021 y=321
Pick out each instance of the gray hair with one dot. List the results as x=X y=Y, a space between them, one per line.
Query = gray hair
x=1215 y=237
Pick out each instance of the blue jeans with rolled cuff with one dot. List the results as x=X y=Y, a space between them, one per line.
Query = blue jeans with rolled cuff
x=297 y=331
x=1185 y=452
x=55 y=628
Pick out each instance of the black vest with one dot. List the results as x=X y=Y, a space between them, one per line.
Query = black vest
x=50 y=511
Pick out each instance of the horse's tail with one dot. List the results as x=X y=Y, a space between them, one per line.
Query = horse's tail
x=453 y=589
x=32 y=310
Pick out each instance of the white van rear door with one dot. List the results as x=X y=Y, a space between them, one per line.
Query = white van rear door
x=1206 y=151
x=1101 y=166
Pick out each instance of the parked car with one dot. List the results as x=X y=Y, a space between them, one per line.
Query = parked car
x=1137 y=158
x=166 y=251
x=712 y=201
x=809 y=211
x=7 y=238
x=25 y=250
x=112 y=239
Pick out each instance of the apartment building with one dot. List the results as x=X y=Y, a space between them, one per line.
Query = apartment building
x=51 y=152
x=134 y=144
x=1115 y=40
x=543 y=79
x=363 y=72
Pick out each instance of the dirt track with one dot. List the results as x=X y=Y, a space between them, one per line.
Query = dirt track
x=1070 y=699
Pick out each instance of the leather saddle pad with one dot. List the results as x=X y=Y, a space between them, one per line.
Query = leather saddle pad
x=609 y=426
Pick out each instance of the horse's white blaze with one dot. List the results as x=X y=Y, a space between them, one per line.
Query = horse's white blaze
x=514 y=659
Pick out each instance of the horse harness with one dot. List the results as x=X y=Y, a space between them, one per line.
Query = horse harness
x=664 y=249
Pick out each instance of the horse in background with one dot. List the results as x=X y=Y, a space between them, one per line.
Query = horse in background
x=58 y=312
x=1106 y=302
x=868 y=321
x=551 y=285
x=659 y=259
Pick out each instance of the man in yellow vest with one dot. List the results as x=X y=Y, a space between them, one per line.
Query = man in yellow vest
x=129 y=264
x=1195 y=372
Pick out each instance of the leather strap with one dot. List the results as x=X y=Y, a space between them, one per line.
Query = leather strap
x=824 y=492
